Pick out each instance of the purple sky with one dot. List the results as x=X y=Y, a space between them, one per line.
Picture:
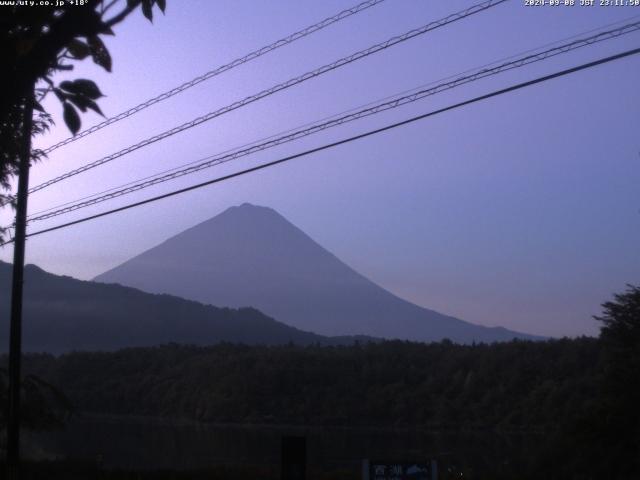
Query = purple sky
x=523 y=211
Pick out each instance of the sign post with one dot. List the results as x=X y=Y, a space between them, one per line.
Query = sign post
x=294 y=458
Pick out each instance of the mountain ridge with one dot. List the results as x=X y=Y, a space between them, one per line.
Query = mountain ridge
x=252 y=255
x=62 y=314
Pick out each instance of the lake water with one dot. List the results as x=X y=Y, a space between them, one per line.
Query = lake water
x=147 y=444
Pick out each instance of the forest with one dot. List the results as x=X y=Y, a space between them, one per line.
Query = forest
x=515 y=385
x=581 y=394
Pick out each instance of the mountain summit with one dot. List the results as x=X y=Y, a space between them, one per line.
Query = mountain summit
x=252 y=256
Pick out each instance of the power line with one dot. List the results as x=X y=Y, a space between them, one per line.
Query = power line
x=350 y=110
x=221 y=69
x=279 y=87
x=495 y=93
x=218 y=159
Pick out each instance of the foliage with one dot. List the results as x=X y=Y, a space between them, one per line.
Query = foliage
x=36 y=42
x=556 y=390
x=548 y=389
x=621 y=321
x=516 y=385
x=43 y=405
x=618 y=424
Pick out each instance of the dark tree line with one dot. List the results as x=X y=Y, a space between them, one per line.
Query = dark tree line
x=516 y=385
x=581 y=395
x=551 y=390
x=43 y=407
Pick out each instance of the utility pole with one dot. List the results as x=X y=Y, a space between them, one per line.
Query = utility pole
x=15 y=335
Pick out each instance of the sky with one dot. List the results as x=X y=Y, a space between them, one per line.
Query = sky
x=521 y=211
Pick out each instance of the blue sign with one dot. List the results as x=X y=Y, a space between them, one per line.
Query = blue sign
x=401 y=471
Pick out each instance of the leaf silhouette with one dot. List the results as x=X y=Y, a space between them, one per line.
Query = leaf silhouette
x=99 y=53
x=78 y=49
x=83 y=87
x=147 y=9
x=71 y=118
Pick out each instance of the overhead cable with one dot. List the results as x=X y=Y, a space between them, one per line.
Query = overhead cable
x=219 y=70
x=369 y=133
x=344 y=112
x=480 y=7
x=218 y=159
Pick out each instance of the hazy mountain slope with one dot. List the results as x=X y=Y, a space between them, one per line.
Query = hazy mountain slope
x=252 y=256
x=63 y=314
